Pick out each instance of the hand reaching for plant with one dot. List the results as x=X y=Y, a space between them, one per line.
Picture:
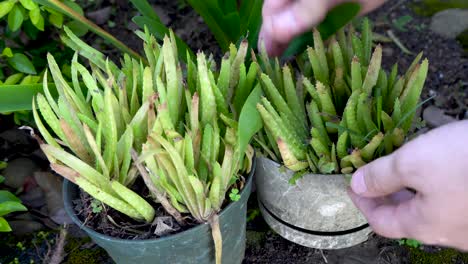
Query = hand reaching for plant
x=435 y=165
x=285 y=19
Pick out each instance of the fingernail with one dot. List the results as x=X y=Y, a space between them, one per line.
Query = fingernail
x=287 y=19
x=358 y=184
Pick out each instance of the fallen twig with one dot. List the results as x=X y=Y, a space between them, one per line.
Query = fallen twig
x=58 y=253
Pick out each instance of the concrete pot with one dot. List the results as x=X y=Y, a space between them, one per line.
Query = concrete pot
x=192 y=246
x=315 y=212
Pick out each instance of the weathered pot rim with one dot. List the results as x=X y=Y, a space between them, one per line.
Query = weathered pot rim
x=71 y=212
x=303 y=176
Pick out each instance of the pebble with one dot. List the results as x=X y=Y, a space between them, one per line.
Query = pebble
x=17 y=172
x=435 y=117
x=450 y=22
x=100 y=16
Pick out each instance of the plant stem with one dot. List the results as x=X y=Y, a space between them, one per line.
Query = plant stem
x=217 y=237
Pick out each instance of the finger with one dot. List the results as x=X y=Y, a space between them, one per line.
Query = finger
x=401 y=196
x=389 y=220
x=280 y=27
x=381 y=177
x=273 y=6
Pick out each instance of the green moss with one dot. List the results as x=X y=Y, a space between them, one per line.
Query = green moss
x=446 y=256
x=77 y=254
x=463 y=39
x=89 y=256
x=430 y=7
x=255 y=239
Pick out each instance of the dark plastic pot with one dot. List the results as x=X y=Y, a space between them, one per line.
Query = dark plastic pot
x=191 y=246
x=314 y=212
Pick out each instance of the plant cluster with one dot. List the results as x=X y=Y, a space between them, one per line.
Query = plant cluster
x=179 y=133
x=343 y=111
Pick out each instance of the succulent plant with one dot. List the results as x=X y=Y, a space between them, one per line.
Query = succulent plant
x=93 y=125
x=196 y=158
x=180 y=133
x=343 y=111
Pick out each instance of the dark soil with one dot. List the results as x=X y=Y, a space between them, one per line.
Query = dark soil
x=110 y=222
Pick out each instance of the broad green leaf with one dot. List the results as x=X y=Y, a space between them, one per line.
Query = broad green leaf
x=73 y=5
x=7 y=52
x=15 y=18
x=2 y=179
x=56 y=19
x=4 y=226
x=10 y=207
x=253 y=18
x=6 y=196
x=37 y=19
x=250 y=121
x=228 y=6
x=230 y=26
x=77 y=28
x=146 y=10
x=21 y=63
x=29 y=4
x=19 y=97
x=6 y=6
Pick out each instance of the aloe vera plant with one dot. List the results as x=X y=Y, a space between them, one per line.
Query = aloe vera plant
x=179 y=132
x=343 y=111
x=91 y=135
x=196 y=157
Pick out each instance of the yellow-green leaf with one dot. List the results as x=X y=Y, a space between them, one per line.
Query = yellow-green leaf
x=6 y=6
x=37 y=19
x=56 y=19
x=7 y=52
x=29 y=4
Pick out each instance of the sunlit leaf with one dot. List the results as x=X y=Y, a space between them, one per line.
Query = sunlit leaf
x=6 y=6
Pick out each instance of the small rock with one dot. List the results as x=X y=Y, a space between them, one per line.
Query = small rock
x=33 y=198
x=436 y=117
x=450 y=22
x=52 y=187
x=17 y=172
x=24 y=227
x=100 y=16
x=165 y=19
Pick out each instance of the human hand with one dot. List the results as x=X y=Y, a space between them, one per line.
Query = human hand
x=435 y=165
x=285 y=19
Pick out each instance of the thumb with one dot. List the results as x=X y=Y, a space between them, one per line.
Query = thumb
x=380 y=177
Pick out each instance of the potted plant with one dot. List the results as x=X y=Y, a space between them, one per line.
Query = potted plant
x=152 y=159
x=343 y=112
